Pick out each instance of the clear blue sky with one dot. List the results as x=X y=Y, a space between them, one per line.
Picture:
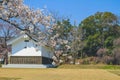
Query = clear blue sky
x=77 y=9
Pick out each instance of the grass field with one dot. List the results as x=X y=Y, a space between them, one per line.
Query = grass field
x=98 y=66
x=58 y=74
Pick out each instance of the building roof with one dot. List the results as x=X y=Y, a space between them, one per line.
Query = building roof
x=12 y=40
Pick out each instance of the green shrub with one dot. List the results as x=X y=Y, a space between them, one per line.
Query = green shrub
x=85 y=61
x=111 y=67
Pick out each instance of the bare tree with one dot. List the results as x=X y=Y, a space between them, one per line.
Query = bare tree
x=116 y=51
x=7 y=31
x=76 y=44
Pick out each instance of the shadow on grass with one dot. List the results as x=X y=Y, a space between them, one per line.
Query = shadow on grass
x=8 y=78
x=117 y=72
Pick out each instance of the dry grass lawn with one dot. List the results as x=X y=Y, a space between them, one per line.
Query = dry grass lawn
x=57 y=74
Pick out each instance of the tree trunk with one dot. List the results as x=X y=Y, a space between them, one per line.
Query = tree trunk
x=74 y=58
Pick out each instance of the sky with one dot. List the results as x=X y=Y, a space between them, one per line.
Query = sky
x=76 y=10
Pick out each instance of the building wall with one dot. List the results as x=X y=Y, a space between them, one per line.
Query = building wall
x=46 y=52
x=28 y=52
x=30 y=60
x=25 y=60
x=17 y=46
x=21 y=48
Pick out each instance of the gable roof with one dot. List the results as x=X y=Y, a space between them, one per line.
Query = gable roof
x=11 y=41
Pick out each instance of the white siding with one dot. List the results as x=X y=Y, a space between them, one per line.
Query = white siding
x=18 y=48
x=47 y=52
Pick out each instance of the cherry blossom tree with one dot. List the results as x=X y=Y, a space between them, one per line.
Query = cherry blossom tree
x=37 y=24
x=60 y=39
x=22 y=17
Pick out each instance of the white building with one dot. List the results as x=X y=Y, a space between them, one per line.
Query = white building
x=26 y=51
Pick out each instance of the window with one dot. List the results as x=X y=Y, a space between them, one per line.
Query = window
x=26 y=41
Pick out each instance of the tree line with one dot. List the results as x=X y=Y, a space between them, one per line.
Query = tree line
x=96 y=38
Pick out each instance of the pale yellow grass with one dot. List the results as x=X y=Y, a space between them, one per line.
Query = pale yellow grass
x=59 y=74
